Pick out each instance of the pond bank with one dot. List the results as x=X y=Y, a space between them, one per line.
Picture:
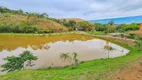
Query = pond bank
x=33 y=34
x=103 y=69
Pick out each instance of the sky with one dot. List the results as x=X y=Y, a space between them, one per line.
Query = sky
x=84 y=9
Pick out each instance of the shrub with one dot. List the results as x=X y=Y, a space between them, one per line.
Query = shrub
x=138 y=43
x=17 y=63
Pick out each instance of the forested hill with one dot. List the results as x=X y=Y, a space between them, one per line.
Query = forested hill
x=18 y=21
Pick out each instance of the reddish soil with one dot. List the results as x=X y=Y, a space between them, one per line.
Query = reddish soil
x=130 y=73
x=138 y=33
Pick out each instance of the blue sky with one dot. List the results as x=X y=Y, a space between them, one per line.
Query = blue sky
x=85 y=9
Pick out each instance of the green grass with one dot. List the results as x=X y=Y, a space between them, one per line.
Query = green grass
x=96 y=33
x=35 y=34
x=96 y=69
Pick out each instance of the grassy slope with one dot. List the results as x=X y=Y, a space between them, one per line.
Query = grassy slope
x=41 y=22
x=96 y=69
x=74 y=19
x=137 y=33
x=34 y=34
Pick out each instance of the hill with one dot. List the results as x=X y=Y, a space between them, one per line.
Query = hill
x=74 y=19
x=18 y=21
x=122 y=20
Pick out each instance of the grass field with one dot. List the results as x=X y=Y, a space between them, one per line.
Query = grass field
x=103 y=69
x=34 y=34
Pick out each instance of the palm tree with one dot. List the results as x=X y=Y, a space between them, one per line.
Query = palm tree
x=108 y=48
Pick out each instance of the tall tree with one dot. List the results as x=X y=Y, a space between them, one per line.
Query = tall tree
x=111 y=23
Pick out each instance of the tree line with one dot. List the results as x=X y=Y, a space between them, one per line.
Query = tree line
x=22 y=28
x=111 y=27
x=72 y=25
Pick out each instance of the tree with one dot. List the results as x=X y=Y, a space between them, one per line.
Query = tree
x=20 y=11
x=111 y=23
x=108 y=48
x=76 y=61
x=44 y=15
x=127 y=27
x=138 y=43
x=84 y=25
x=65 y=56
x=13 y=64
x=110 y=28
x=28 y=56
x=17 y=63
x=72 y=23
x=100 y=27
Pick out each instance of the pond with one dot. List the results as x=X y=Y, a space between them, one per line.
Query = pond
x=49 y=49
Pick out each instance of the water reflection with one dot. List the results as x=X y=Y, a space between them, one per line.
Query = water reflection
x=10 y=43
x=41 y=46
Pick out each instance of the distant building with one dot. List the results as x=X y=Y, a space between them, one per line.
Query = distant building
x=80 y=29
x=141 y=27
x=116 y=34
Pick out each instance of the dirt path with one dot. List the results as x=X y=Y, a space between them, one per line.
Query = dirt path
x=134 y=73
x=130 y=72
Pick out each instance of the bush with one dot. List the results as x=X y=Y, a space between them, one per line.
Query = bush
x=17 y=63
x=96 y=33
x=100 y=27
x=127 y=27
x=138 y=43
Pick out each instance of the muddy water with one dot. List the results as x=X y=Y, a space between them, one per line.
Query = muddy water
x=49 y=49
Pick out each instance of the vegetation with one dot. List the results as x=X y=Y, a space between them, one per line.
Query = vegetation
x=108 y=48
x=110 y=27
x=96 y=69
x=96 y=33
x=76 y=61
x=128 y=27
x=84 y=26
x=68 y=57
x=107 y=28
x=65 y=56
x=17 y=63
x=17 y=21
x=138 y=43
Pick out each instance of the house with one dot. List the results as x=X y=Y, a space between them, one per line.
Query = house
x=80 y=29
x=141 y=27
x=116 y=34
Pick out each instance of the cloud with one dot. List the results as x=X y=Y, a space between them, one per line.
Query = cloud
x=85 y=9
